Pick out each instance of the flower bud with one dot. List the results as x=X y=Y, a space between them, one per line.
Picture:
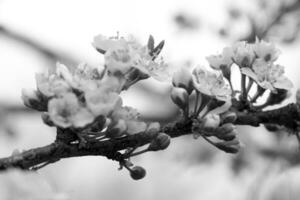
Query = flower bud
x=161 y=142
x=272 y=127
x=243 y=54
x=227 y=136
x=31 y=99
x=183 y=79
x=211 y=121
x=232 y=146
x=153 y=129
x=116 y=129
x=228 y=117
x=226 y=128
x=137 y=173
x=180 y=97
x=46 y=119
x=226 y=71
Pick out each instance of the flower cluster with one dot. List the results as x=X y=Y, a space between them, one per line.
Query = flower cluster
x=209 y=87
x=204 y=96
x=86 y=100
x=74 y=100
x=130 y=58
x=256 y=61
x=80 y=98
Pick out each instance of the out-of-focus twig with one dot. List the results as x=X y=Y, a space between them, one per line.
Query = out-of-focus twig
x=273 y=21
x=51 y=55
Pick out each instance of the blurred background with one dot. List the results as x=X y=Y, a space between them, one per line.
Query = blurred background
x=35 y=34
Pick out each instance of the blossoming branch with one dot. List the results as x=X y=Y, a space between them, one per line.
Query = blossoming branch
x=85 y=106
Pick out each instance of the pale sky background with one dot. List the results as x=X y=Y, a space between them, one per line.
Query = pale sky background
x=70 y=25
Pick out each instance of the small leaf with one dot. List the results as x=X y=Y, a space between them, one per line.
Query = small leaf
x=150 y=43
x=156 y=51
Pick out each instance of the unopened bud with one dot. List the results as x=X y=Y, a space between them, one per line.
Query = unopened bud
x=116 y=129
x=137 y=173
x=272 y=127
x=211 y=121
x=46 y=119
x=153 y=129
x=228 y=136
x=226 y=128
x=161 y=142
x=183 y=79
x=31 y=99
x=226 y=71
x=179 y=96
x=232 y=146
x=228 y=117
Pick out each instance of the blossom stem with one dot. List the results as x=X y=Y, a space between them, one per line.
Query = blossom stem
x=206 y=111
x=204 y=101
x=259 y=92
x=231 y=87
x=127 y=167
x=243 y=88
x=250 y=83
x=196 y=103
x=138 y=152
x=186 y=111
x=208 y=140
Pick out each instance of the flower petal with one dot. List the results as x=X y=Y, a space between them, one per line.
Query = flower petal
x=283 y=83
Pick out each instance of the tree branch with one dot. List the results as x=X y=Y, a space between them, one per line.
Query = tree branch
x=287 y=116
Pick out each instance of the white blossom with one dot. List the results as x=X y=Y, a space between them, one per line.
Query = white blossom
x=63 y=72
x=51 y=85
x=266 y=51
x=66 y=111
x=101 y=102
x=243 y=54
x=83 y=77
x=211 y=84
x=223 y=60
x=268 y=75
x=29 y=96
x=104 y=43
x=131 y=117
x=123 y=54
x=211 y=120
